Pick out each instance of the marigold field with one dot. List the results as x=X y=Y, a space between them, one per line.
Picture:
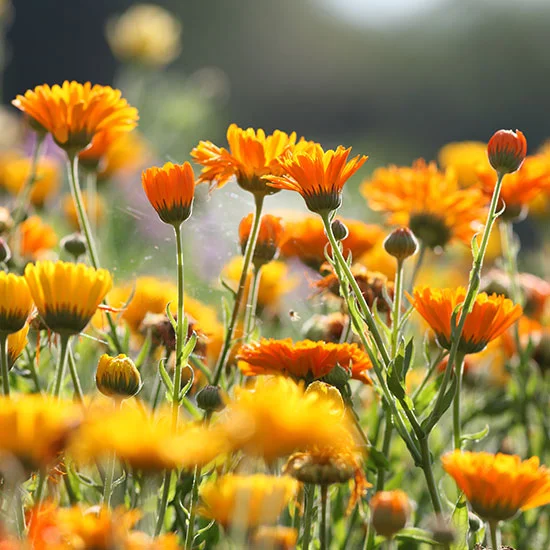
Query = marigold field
x=377 y=382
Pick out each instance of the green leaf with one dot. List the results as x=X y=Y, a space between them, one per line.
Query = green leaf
x=189 y=347
x=415 y=534
x=171 y=317
x=461 y=524
x=477 y=436
x=166 y=378
x=376 y=459
x=394 y=382
x=144 y=351
x=407 y=362
x=187 y=386
x=433 y=419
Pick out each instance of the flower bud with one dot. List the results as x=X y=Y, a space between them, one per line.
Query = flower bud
x=507 y=151
x=117 y=376
x=5 y=252
x=390 y=511
x=401 y=243
x=269 y=238
x=339 y=230
x=210 y=399
x=74 y=244
x=337 y=377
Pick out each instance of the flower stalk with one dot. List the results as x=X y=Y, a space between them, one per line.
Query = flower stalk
x=5 y=365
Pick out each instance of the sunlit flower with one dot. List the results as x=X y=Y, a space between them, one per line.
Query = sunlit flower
x=170 y=191
x=390 y=512
x=37 y=238
x=67 y=295
x=117 y=376
x=17 y=342
x=145 y=33
x=15 y=302
x=305 y=360
x=246 y=501
x=507 y=150
x=73 y=113
x=274 y=537
x=466 y=158
x=96 y=203
x=269 y=238
x=305 y=239
x=498 y=486
x=15 y=174
x=34 y=429
x=251 y=156
x=491 y=315
x=428 y=201
x=318 y=175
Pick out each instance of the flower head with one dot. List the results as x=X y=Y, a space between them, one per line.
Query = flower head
x=17 y=342
x=170 y=191
x=269 y=238
x=498 y=486
x=305 y=360
x=246 y=501
x=318 y=175
x=507 y=150
x=466 y=158
x=117 y=376
x=15 y=302
x=37 y=238
x=74 y=113
x=390 y=512
x=491 y=315
x=428 y=201
x=67 y=295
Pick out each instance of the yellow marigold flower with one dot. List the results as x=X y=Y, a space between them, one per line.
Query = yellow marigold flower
x=15 y=302
x=466 y=158
x=318 y=175
x=428 y=201
x=246 y=501
x=269 y=238
x=34 y=429
x=67 y=295
x=490 y=317
x=274 y=537
x=251 y=156
x=305 y=239
x=37 y=237
x=305 y=360
x=277 y=405
x=15 y=174
x=117 y=376
x=73 y=113
x=71 y=215
x=498 y=486
x=145 y=33
x=17 y=341
x=390 y=512
x=170 y=190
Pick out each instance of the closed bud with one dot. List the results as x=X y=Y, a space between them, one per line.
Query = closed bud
x=390 y=511
x=210 y=399
x=5 y=252
x=74 y=244
x=401 y=243
x=117 y=376
x=507 y=150
x=337 y=377
x=339 y=230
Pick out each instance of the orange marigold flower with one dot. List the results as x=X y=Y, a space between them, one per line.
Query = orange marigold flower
x=498 y=486
x=466 y=158
x=428 y=201
x=490 y=317
x=170 y=191
x=94 y=206
x=305 y=360
x=318 y=175
x=269 y=238
x=251 y=155
x=507 y=150
x=73 y=113
x=37 y=237
x=390 y=512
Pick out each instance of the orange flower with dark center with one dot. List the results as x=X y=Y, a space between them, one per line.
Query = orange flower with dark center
x=305 y=360
x=507 y=150
x=37 y=237
x=305 y=239
x=498 y=486
x=490 y=317
x=251 y=155
x=428 y=201
x=318 y=175
x=74 y=113
x=170 y=191
x=269 y=238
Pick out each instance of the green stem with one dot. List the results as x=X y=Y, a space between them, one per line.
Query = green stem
x=110 y=473
x=428 y=474
x=180 y=336
x=163 y=501
x=248 y=255
x=323 y=527
x=40 y=487
x=419 y=261
x=61 y=364
x=396 y=315
x=495 y=534
x=388 y=430
x=459 y=372
x=309 y=497
x=5 y=364
x=91 y=196
x=193 y=508
x=74 y=375
x=250 y=313
x=34 y=373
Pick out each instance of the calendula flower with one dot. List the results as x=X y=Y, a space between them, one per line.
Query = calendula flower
x=145 y=33
x=117 y=376
x=274 y=537
x=94 y=207
x=74 y=113
x=269 y=238
x=305 y=239
x=465 y=158
x=498 y=486
x=318 y=175
x=251 y=156
x=67 y=295
x=170 y=191
x=17 y=342
x=490 y=317
x=390 y=512
x=37 y=238
x=246 y=501
x=427 y=201
x=15 y=302
x=126 y=154
x=34 y=429
x=507 y=150
x=15 y=173
x=305 y=360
